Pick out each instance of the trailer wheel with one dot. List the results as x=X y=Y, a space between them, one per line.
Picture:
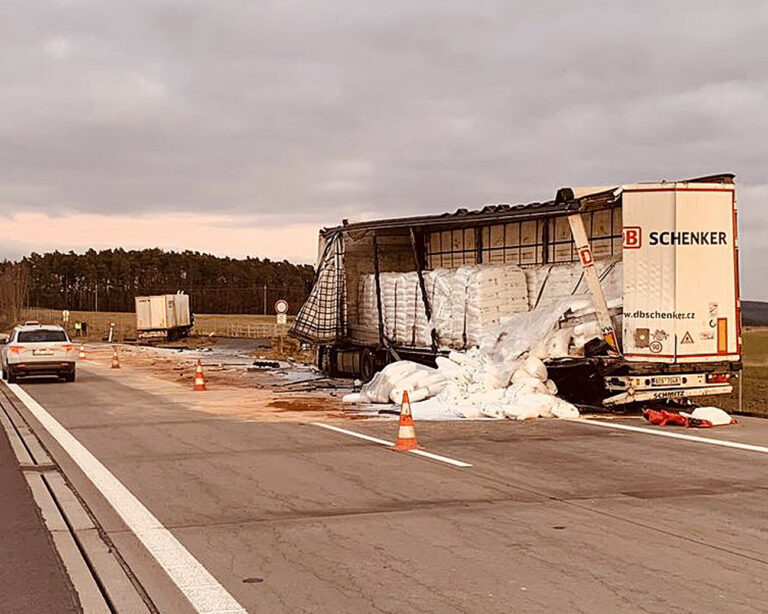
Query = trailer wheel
x=325 y=360
x=367 y=364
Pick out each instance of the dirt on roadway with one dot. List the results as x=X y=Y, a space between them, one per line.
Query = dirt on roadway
x=232 y=390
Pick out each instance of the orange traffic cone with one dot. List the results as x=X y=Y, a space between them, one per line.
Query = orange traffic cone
x=406 y=432
x=81 y=355
x=115 y=358
x=199 y=377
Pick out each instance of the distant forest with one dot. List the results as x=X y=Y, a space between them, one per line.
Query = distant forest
x=109 y=280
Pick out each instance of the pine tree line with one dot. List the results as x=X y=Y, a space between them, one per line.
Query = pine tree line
x=108 y=280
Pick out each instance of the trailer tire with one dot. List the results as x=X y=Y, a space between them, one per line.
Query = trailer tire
x=325 y=360
x=367 y=364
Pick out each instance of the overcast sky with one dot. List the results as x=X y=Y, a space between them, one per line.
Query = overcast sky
x=241 y=127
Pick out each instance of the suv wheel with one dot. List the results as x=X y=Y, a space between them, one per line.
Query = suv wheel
x=69 y=376
x=10 y=375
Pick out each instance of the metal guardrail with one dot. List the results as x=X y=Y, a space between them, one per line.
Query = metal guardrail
x=250 y=331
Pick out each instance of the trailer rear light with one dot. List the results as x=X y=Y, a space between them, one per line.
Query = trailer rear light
x=718 y=378
x=16 y=349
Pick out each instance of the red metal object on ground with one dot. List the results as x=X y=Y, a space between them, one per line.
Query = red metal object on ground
x=666 y=418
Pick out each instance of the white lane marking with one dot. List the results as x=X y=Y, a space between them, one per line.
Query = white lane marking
x=640 y=429
x=389 y=444
x=206 y=595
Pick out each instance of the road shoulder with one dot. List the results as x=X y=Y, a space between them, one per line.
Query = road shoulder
x=32 y=575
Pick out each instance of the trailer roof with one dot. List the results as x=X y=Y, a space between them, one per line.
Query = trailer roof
x=567 y=199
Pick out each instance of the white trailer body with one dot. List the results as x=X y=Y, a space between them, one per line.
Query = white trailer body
x=681 y=291
x=163 y=316
x=680 y=273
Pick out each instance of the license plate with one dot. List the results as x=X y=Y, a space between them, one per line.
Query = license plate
x=42 y=352
x=667 y=380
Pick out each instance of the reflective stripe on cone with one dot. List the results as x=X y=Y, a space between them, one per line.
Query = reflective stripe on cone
x=406 y=432
x=199 y=377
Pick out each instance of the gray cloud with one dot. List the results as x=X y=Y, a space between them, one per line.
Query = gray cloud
x=307 y=111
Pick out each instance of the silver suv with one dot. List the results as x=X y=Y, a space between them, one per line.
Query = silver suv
x=37 y=349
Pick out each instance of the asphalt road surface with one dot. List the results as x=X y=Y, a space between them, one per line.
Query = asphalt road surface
x=551 y=516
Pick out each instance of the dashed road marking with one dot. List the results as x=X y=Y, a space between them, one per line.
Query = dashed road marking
x=639 y=429
x=205 y=593
x=389 y=444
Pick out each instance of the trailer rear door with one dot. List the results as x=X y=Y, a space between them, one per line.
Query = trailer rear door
x=680 y=273
x=159 y=315
x=170 y=310
x=143 y=313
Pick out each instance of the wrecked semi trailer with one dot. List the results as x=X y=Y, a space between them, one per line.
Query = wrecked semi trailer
x=163 y=317
x=630 y=292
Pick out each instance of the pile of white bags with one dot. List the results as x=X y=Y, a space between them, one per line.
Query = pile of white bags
x=469 y=303
x=486 y=309
x=465 y=303
x=468 y=385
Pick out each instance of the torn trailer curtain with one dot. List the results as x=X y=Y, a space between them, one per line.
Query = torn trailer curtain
x=323 y=317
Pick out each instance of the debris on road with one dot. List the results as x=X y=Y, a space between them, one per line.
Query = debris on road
x=258 y=365
x=713 y=415
x=469 y=385
x=701 y=417
x=233 y=390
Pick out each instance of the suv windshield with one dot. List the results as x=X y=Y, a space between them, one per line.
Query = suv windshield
x=41 y=336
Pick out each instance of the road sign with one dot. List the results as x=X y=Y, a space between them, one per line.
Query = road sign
x=65 y=315
x=282 y=318
x=281 y=307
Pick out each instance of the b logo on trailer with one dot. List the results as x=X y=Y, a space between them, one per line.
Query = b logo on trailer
x=632 y=237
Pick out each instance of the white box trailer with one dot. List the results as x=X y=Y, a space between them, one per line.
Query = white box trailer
x=681 y=285
x=163 y=316
x=659 y=261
